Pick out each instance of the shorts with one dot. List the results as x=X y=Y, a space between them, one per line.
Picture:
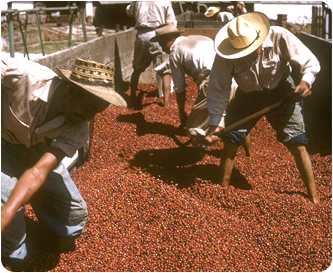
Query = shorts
x=146 y=52
x=287 y=120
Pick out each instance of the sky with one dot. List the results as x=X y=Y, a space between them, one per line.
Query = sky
x=292 y=11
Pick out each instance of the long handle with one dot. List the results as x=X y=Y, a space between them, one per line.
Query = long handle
x=289 y=98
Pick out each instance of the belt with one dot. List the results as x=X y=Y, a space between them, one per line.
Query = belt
x=145 y=28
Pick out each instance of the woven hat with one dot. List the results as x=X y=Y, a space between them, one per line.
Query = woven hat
x=242 y=35
x=165 y=29
x=211 y=11
x=94 y=77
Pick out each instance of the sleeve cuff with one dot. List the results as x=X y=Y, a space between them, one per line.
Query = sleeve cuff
x=215 y=120
x=309 y=79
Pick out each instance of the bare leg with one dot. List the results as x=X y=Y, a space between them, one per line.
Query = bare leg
x=228 y=159
x=5 y=269
x=304 y=166
x=247 y=146
x=134 y=86
x=181 y=99
x=166 y=89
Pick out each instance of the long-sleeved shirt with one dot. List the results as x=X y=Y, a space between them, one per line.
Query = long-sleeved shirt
x=151 y=13
x=27 y=90
x=280 y=50
x=189 y=55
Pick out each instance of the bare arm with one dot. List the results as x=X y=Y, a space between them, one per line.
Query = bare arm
x=28 y=184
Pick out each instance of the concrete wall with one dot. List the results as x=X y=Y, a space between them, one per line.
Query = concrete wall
x=116 y=50
x=318 y=107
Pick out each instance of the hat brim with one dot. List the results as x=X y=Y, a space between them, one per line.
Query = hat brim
x=212 y=13
x=222 y=43
x=157 y=37
x=105 y=93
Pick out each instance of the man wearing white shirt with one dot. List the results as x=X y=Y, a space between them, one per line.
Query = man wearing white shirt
x=194 y=56
x=259 y=58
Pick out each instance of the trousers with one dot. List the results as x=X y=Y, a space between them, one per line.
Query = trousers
x=58 y=203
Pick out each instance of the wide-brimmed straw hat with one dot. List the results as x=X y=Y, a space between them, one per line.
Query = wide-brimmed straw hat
x=96 y=78
x=242 y=35
x=211 y=11
x=165 y=29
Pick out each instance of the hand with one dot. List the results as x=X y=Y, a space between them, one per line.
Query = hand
x=210 y=137
x=305 y=86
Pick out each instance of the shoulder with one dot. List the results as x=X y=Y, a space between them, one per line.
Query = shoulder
x=24 y=67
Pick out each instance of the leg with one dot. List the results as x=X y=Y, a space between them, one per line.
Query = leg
x=181 y=99
x=247 y=146
x=228 y=159
x=289 y=124
x=13 y=238
x=134 y=86
x=166 y=89
x=59 y=205
x=304 y=166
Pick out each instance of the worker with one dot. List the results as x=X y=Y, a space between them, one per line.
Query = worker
x=148 y=15
x=226 y=16
x=238 y=10
x=193 y=56
x=215 y=14
x=44 y=118
x=259 y=58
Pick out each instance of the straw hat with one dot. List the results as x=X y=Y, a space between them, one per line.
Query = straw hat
x=165 y=29
x=211 y=11
x=241 y=3
x=242 y=35
x=94 y=77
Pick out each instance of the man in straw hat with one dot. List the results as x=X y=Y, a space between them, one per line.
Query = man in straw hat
x=44 y=118
x=148 y=15
x=191 y=55
x=258 y=57
x=214 y=13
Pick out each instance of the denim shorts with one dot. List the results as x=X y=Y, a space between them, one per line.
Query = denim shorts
x=287 y=120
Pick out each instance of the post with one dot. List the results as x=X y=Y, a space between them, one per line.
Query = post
x=11 y=31
x=282 y=20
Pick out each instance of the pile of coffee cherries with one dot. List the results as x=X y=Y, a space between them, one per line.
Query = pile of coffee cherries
x=161 y=217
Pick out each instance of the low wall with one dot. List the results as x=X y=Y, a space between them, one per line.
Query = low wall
x=106 y=50
x=115 y=50
x=318 y=107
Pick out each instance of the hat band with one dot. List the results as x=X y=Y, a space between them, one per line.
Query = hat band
x=86 y=79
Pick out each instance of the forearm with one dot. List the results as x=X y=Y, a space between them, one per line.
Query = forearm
x=26 y=187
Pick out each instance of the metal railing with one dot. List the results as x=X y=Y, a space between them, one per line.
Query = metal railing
x=322 y=21
x=11 y=13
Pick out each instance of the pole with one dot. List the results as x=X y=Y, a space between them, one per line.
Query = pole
x=11 y=31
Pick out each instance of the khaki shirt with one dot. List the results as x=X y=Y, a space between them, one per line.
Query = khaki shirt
x=280 y=50
x=26 y=91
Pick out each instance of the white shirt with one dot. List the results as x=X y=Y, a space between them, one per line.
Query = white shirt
x=151 y=13
x=188 y=56
x=280 y=50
